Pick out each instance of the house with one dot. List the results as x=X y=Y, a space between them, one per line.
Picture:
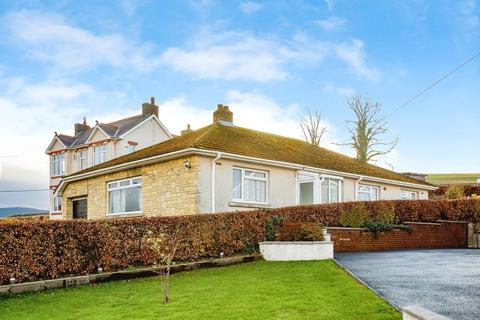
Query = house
x=91 y=146
x=222 y=167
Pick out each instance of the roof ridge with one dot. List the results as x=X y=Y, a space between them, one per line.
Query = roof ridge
x=122 y=119
x=195 y=142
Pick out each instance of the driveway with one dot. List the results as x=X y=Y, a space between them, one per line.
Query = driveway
x=444 y=281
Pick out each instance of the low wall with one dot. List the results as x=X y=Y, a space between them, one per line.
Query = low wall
x=421 y=235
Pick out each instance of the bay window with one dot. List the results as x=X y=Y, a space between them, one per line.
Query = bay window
x=367 y=193
x=58 y=164
x=330 y=190
x=249 y=185
x=124 y=196
x=408 y=195
x=99 y=154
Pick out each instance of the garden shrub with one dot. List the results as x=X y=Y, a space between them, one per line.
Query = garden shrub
x=299 y=231
x=454 y=192
x=354 y=217
x=44 y=249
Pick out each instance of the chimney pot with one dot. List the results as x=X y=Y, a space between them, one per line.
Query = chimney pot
x=150 y=108
x=223 y=115
x=188 y=130
x=81 y=127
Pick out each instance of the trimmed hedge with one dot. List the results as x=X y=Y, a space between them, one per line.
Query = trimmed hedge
x=468 y=190
x=36 y=249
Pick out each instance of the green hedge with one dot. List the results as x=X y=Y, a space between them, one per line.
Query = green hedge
x=33 y=249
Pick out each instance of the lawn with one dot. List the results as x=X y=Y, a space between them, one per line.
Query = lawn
x=257 y=290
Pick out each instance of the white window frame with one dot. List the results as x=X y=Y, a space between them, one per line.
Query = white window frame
x=131 y=148
x=308 y=177
x=243 y=177
x=83 y=159
x=339 y=180
x=57 y=204
x=410 y=192
x=58 y=165
x=118 y=187
x=372 y=188
x=100 y=150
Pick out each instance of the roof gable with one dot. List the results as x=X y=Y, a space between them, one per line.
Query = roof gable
x=98 y=133
x=55 y=144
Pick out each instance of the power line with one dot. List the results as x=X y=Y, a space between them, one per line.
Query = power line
x=433 y=84
x=25 y=190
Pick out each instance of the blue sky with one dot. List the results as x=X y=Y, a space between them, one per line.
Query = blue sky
x=269 y=61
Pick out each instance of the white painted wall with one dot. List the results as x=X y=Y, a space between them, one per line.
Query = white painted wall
x=282 y=188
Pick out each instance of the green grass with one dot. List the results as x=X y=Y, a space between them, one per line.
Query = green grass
x=452 y=178
x=257 y=290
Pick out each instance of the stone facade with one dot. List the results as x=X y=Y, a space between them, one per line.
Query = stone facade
x=168 y=188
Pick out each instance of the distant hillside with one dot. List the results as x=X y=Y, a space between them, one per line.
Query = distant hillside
x=14 y=211
x=452 y=178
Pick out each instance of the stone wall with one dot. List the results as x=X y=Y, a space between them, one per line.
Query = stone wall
x=167 y=189
x=421 y=235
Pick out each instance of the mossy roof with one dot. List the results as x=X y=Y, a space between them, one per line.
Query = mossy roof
x=252 y=143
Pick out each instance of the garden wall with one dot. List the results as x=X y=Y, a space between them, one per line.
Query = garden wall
x=420 y=236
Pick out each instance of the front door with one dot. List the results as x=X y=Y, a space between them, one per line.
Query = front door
x=80 y=209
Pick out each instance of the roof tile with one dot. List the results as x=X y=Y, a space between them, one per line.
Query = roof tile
x=252 y=143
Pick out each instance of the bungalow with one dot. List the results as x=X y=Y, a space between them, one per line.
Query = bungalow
x=222 y=167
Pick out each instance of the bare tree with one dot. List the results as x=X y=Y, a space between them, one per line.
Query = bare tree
x=367 y=129
x=165 y=246
x=313 y=128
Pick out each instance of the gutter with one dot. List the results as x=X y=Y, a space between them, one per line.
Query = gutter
x=232 y=156
x=214 y=164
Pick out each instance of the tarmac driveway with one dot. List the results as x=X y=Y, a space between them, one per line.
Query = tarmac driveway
x=444 y=281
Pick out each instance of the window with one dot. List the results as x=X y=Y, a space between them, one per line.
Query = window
x=330 y=190
x=367 y=193
x=83 y=159
x=124 y=196
x=58 y=164
x=306 y=190
x=131 y=148
x=99 y=154
x=249 y=185
x=408 y=195
x=57 y=204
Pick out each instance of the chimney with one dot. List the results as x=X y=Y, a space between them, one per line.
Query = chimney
x=80 y=127
x=188 y=130
x=150 y=108
x=223 y=116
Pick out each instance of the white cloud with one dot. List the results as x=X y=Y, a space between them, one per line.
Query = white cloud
x=330 y=4
x=467 y=9
x=346 y=91
x=332 y=23
x=50 y=38
x=251 y=109
x=230 y=56
x=244 y=56
x=353 y=53
x=130 y=7
x=250 y=7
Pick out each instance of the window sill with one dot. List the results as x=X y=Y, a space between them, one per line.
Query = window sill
x=249 y=204
x=125 y=214
x=56 y=213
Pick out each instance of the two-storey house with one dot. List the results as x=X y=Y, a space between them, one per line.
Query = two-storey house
x=92 y=145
